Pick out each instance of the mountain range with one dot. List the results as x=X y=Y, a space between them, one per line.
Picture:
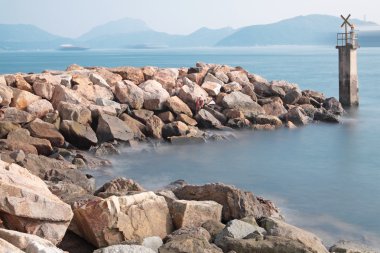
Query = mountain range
x=133 y=33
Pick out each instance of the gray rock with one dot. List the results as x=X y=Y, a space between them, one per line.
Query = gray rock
x=297 y=116
x=153 y=242
x=237 y=229
x=206 y=120
x=125 y=249
x=242 y=102
x=112 y=128
x=292 y=97
x=81 y=136
x=333 y=106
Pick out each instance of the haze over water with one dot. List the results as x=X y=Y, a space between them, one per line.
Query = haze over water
x=324 y=177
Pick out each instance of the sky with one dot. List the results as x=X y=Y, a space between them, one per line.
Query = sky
x=71 y=18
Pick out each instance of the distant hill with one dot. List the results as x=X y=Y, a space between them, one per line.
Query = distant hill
x=132 y=33
x=301 y=30
x=17 y=37
x=122 y=26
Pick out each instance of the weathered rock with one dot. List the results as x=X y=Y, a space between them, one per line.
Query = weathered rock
x=135 y=75
x=290 y=125
x=131 y=217
x=6 y=127
x=16 y=146
x=17 y=116
x=297 y=116
x=97 y=79
x=154 y=95
x=236 y=204
x=318 y=96
x=230 y=87
x=213 y=227
x=325 y=116
x=310 y=110
x=136 y=126
x=211 y=78
x=239 y=77
x=43 y=130
x=274 y=108
x=17 y=156
x=276 y=91
x=266 y=119
x=6 y=247
x=74 y=67
x=22 y=99
x=177 y=128
x=111 y=78
x=333 y=105
x=276 y=227
x=188 y=213
x=43 y=146
x=106 y=149
x=265 y=127
x=187 y=120
x=18 y=82
x=74 y=112
x=125 y=249
x=142 y=115
x=167 y=78
x=52 y=118
x=26 y=243
x=118 y=187
x=166 y=117
x=237 y=229
x=189 y=244
x=63 y=94
x=242 y=102
x=177 y=106
x=239 y=123
x=292 y=97
x=28 y=205
x=350 y=247
x=40 y=108
x=112 y=128
x=6 y=95
x=206 y=120
x=43 y=89
x=104 y=102
x=285 y=85
x=154 y=127
x=149 y=72
x=250 y=91
x=74 y=244
x=190 y=93
x=215 y=111
x=271 y=244
x=212 y=88
x=233 y=113
x=81 y=136
x=129 y=93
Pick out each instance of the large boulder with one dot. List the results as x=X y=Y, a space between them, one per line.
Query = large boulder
x=212 y=88
x=136 y=126
x=177 y=106
x=333 y=106
x=18 y=82
x=297 y=116
x=28 y=206
x=176 y=128
x=63 y=94
x=6 y=95
x=17 y=116
x=239 y=77
x=43 y=146
x=189 y=240
x=154 y=127
x=206 y=120
x=154 y=95
x=6 y=247
x=211 y=78
x=97 y=79
x=43 y=89
x=274 y=108
x=242 y=102
x=292 y=97
x=236 y=203
x=167 y=77
x=132 y=217
x=112 y=128
x=237 y=229
x=190 y=93
x=277 y=227
x=189 y=213
x=26 y=243
x=129 y=93
x=44 y=130
x=118 y=187
x=40 y=108
x=22 y=99
x=81 y=136
x=74 y=112
x=133 y=74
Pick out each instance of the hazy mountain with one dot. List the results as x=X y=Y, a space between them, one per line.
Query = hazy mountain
x=16 y=37
x=122 y=26
x=369 y=38
x=301 y=30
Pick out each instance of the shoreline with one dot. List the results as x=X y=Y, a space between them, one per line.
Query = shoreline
x=46 y=117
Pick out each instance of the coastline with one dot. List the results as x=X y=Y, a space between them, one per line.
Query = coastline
x=92 y=106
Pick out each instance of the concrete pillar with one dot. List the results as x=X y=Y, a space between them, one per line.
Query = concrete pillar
x=348 y=74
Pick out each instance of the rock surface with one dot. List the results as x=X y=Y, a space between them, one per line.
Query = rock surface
x=28 y=206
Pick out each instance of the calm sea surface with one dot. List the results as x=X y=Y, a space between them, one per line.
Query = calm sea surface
x=325 y=178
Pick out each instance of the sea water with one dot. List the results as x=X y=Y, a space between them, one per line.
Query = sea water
x=325 y=178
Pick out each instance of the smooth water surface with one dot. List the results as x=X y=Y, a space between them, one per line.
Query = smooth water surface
x=325 y=178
